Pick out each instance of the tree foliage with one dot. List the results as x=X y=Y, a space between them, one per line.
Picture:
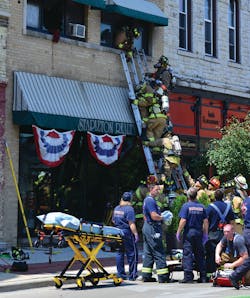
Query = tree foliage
x=231 y=154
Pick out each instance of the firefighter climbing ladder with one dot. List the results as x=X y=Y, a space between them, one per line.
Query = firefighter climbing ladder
x=132 y=80
x=131 y=73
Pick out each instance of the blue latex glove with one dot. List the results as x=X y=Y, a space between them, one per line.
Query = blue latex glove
x=178 y=237
x=136 y=238
x=204 y=239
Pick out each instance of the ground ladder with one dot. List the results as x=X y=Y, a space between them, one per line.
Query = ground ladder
x=131 y=73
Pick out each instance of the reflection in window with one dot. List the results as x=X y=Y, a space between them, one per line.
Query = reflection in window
x=185 y=24
x=233 y=30
x=210 y=28
x=55 y=16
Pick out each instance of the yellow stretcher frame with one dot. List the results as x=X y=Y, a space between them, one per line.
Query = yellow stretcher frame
x=85 y=247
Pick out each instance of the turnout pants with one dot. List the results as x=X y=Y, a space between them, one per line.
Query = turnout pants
x=153 y=251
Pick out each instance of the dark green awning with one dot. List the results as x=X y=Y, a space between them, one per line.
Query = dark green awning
x=51 y=102
x=138 y=9
x=94 y=3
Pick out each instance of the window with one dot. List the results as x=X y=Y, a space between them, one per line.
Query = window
x=50 y=16
x=233 y=30
x=111 y=24
x=210 y=27
x=185 y=24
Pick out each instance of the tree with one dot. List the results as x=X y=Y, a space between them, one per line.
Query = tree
x=231 y=154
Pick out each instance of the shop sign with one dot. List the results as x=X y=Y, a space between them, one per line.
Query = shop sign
x=108 y=127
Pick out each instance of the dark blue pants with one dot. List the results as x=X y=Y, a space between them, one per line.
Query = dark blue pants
x=193 y=250
x=240 y=271
x=131 y=252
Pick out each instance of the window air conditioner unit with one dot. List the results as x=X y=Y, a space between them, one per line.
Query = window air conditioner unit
x=77 y=30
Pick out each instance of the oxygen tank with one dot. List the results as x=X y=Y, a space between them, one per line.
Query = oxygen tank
x=165 y=103
x=176 y=145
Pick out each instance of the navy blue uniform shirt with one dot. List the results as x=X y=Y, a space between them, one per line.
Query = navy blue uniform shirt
x=194 y=213
x=213 y=216
x=246 y=205
x=122 y=215
x=150 y=205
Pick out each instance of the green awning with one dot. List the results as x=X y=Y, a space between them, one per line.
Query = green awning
x=52 y=102
x=138 y=9
x=93 y=3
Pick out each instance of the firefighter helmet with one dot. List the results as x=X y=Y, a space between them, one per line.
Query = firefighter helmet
x=241 y=182
x=215 y=182
x=203 y=180
x=163 y=60
x=152 y=179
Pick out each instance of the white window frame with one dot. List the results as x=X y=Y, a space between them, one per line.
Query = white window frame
x=210 y=23
x=232 y=27
x=184 y=13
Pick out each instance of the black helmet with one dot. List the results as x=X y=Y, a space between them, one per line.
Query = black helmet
x=163 y=60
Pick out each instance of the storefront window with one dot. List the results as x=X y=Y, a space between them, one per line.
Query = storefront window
x=80 y=186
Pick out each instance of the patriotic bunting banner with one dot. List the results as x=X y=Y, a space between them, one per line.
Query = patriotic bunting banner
x=105 y=149
x=51 y=145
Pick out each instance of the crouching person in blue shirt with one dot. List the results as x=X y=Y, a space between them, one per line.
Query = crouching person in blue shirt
x=124 y=219
x=193 y=220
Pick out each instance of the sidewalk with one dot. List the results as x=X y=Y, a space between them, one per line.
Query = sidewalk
x=41 y=272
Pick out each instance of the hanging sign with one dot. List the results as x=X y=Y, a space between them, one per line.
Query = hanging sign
x=105 y=149
x=51 y=145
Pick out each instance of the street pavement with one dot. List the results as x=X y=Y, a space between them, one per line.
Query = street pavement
x=44 y=264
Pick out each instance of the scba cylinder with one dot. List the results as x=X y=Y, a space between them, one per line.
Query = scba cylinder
x=165 y=103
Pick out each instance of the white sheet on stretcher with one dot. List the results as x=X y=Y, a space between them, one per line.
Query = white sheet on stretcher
x=68 y=221
x=60 y=219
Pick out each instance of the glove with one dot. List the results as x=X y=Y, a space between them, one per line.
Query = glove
x=136 y=238
x=167 y=217
x=204 y=238
x=178 y=237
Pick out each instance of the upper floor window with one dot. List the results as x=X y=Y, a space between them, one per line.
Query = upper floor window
x=61 y=17
x=185 y=24
x=233 y=30
x=111 y=25
x=210 y=27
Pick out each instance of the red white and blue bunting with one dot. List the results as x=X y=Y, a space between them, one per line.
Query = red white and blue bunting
x=105 y=149
x=51 y=145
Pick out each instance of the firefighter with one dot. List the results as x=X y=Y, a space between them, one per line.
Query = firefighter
x=163 y=148
x=238 y=195
x=232 y=253
x=125 y=40
x=193 y=220
x=219 y=213
x=201 y=185
x=213 y=184
x=164 y=72
x=124 y=219
x=153 y=249
x=243 y=269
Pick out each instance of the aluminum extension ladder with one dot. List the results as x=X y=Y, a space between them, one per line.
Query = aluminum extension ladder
x=142 y=63
x=178 y=177
x=131 y=74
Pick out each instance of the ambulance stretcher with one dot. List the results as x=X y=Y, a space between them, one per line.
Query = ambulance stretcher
x=85 y=240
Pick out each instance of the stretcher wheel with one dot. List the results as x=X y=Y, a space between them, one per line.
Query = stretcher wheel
x=58 y=283
x=80 y=283
x=118 y=281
